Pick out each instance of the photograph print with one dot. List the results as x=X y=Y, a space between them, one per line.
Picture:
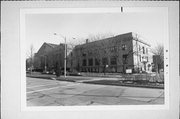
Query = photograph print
x=84 y=59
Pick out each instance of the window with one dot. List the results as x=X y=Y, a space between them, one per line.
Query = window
x=123 y=47
x=81 y=49
x=143 y=50
x=84 y=62
x=113 y=49
x=113 y=60
x=84 y=54
x=97 y=62
x=90 y=62
x=125 y=59
x=105 y=61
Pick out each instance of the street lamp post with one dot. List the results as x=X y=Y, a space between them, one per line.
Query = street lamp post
x=64 y=53
x=65 y=58
x=45 y=67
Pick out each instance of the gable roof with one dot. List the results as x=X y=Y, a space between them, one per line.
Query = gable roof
x=46 y=47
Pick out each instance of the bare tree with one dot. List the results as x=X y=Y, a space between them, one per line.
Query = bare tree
x=70 y=47
x=99 y=36
x=30 y=58
x=99 y=50
x=159 y=51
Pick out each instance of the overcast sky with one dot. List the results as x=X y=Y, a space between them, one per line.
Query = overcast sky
x=41 y=27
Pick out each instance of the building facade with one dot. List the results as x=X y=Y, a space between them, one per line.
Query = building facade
x=49 y=57
x=114 y=54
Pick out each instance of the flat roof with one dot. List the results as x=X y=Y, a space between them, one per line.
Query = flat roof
x=134 y=35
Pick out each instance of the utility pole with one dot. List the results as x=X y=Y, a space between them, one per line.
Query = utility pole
x=65 y=58
x=137 y=53
x=64 y=53
x=45 y=67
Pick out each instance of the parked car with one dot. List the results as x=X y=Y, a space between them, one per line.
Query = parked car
x=75 y=74
x=45 y=72
x=72 y=73
x=52 y=72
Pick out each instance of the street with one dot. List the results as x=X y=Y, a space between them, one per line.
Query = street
x=43 y=92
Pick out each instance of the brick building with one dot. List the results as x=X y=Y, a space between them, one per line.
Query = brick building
x=114 y=54
x=49 y=57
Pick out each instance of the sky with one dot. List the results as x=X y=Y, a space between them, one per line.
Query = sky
x=76 y=28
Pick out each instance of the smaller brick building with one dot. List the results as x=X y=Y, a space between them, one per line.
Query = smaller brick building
x=49 y=57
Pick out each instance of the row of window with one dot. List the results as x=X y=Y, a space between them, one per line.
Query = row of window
x=143 y=49
x=111 y=49
x=113 y=60
x=116 y=48
x=89 y=70
x=97 y=62
x=95 y=69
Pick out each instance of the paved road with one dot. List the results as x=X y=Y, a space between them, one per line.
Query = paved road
x=42 y=92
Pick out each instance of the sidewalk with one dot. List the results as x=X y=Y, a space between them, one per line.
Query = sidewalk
x=39 y=75
x=117 y=81
x=108 y=75
x=82 y=79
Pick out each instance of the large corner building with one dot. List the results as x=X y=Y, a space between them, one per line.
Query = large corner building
x=115 y=54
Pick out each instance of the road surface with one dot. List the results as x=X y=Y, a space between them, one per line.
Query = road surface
x=43 y=92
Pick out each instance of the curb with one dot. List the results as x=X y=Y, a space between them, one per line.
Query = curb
x=127 y=85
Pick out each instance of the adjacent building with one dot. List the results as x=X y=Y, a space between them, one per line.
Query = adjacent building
x=49 y=57
x=115 y=54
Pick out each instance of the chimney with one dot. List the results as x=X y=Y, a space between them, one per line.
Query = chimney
x=87 y=40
